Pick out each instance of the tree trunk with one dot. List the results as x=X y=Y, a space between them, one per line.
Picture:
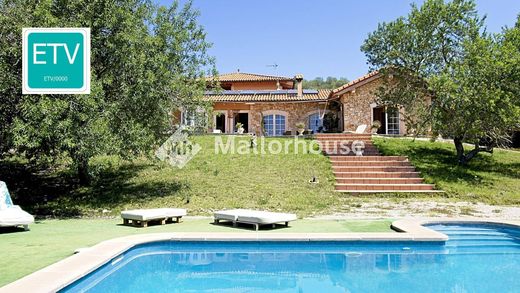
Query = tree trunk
x=459 y=146
x=462 y=158
x=83 y=174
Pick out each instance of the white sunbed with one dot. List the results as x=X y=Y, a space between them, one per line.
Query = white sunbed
x=253 y=217
x=12 y=215
x=360 y=129
x=143 y=216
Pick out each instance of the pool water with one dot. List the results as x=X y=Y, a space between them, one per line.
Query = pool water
x=476 y=258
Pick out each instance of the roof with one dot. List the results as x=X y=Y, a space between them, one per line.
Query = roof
x=242 y=76
x=267 y=96
x=355 y=83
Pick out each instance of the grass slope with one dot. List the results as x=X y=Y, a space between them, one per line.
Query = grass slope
x=210 y=181
x=489 y=178
x=52 y=240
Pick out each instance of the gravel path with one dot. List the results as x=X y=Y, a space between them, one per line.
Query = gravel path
x=413 y=208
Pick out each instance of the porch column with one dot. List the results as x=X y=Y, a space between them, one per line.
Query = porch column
x=229 y=124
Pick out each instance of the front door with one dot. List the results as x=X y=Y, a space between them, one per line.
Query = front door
x=380 y=115
x=220 y=122
x=242 y=118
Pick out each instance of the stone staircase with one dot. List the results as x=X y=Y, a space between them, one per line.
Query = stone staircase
x=362 y=169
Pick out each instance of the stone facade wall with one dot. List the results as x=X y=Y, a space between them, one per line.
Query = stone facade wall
x=357 y=108
x=358 y=105
x=294 y=112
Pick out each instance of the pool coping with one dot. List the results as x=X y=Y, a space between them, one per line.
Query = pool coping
x=62 y=273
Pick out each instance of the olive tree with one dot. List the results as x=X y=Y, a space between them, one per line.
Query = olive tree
x=146 y=61
x=450 y=76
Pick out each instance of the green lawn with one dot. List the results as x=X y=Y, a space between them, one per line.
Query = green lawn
x=52 y=240
x=489 y=178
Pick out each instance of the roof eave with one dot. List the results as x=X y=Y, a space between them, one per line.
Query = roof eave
x=336 y=93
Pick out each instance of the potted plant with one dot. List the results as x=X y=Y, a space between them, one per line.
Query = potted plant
x=240 y=128
x=375 y=126
x=300 y=126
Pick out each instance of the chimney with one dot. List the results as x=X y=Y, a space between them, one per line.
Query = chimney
x=298 y=78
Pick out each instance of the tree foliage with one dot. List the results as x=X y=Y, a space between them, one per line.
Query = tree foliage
x=146 y=61
x=450 y=76
x=328 y=83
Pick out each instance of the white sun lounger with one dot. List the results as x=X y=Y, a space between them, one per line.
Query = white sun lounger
x=253 y=217
x=142 y=217
x=12 y=215
x=360 y=129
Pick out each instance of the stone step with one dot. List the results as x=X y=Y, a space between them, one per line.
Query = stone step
x=325 y=135
x=347 y=144
x=337 y=153
x=369 y=163
x=340 y=149
x=389 y=191
x=353 y=138
x=366 y=148
x=379 y=174
x=367 y=158
x=369 y=181
x=388 y=187
x=338 y=140
x=374 y=169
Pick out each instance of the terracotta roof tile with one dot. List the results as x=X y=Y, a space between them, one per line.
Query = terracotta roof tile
x=242 y=76
x=267 y=96
x=354 y=82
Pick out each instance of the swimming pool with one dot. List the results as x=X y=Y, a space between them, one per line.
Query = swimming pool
x=476 y=258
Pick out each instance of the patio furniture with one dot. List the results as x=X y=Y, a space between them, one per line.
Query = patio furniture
x=143 y=216
x=12 y=215
x=253 y=217
x=360 y=129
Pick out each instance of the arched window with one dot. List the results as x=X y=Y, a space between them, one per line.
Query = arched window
x=274 y=124
x=315 y=123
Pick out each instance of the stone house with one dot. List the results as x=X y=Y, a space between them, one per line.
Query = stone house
x=273 y=105
x=359 y=106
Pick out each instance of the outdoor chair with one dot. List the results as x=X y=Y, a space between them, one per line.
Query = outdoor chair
x=12 y=215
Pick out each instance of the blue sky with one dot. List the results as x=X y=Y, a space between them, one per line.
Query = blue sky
x=315 y=38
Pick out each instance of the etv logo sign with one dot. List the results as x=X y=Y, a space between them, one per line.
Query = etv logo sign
x=56 y=60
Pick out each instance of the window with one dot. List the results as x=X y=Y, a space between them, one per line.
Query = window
x=315 y=123
x=274 y=125
x=392 y=117
x=194 y=117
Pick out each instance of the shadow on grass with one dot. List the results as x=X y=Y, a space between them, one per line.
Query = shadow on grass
x=440 y=163
x=56 y=193
x=9 y=230
x=249 y=227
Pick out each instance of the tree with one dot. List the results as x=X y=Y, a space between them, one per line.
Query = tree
x=450 y=76
x=328 y=83
x=146 y=61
